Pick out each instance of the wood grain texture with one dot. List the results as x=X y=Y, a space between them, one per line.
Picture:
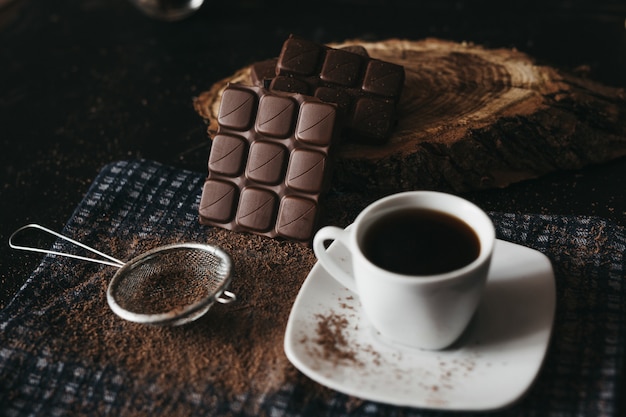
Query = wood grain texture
x=473 y=118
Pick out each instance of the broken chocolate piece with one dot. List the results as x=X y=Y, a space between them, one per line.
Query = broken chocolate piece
x=262 y=72
x=365 y=89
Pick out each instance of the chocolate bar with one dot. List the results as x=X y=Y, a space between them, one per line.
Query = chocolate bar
x=365 y=89
x=263 y=72
x=270 y=162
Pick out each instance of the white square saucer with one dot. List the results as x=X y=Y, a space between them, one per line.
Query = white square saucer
x=490 y=367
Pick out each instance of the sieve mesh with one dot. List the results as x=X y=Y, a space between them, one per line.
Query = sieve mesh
x=171 y=279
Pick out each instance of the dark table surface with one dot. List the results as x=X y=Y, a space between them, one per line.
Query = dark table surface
x=84 y=83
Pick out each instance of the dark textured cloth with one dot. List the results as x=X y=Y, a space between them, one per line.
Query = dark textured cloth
x=581 y=376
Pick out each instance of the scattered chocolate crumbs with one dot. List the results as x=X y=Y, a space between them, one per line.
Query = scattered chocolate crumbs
x=332 y=340
x=232 y=354
x=237 y=348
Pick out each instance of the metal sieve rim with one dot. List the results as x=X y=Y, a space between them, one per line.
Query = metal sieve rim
x=181 y=315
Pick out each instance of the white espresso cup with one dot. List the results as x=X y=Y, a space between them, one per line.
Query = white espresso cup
x=420 y=261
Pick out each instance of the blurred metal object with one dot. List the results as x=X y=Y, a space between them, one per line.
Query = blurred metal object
x=170 y=10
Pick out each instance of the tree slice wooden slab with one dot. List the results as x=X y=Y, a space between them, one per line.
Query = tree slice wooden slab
x=473 y=118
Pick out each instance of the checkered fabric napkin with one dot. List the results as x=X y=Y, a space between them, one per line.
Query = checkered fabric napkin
x=132 y=200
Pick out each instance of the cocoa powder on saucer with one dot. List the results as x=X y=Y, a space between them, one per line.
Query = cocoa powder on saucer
x=331 y=338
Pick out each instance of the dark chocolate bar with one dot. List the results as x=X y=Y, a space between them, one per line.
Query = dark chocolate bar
x=270 y=162
x=365 y=89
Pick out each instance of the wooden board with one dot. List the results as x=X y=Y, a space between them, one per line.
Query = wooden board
x=473 y=118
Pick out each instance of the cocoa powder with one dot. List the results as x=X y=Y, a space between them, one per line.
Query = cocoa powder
x=237 y=348
x=235 y=351
x=331 y=338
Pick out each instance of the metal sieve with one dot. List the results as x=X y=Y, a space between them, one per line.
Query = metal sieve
x=169 y=285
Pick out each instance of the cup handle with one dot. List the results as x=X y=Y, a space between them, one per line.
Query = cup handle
x=328 y=262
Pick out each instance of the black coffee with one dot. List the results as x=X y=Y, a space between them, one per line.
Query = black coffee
x=420 y=242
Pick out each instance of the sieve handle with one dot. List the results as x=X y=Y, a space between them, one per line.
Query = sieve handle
x=111 y=260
